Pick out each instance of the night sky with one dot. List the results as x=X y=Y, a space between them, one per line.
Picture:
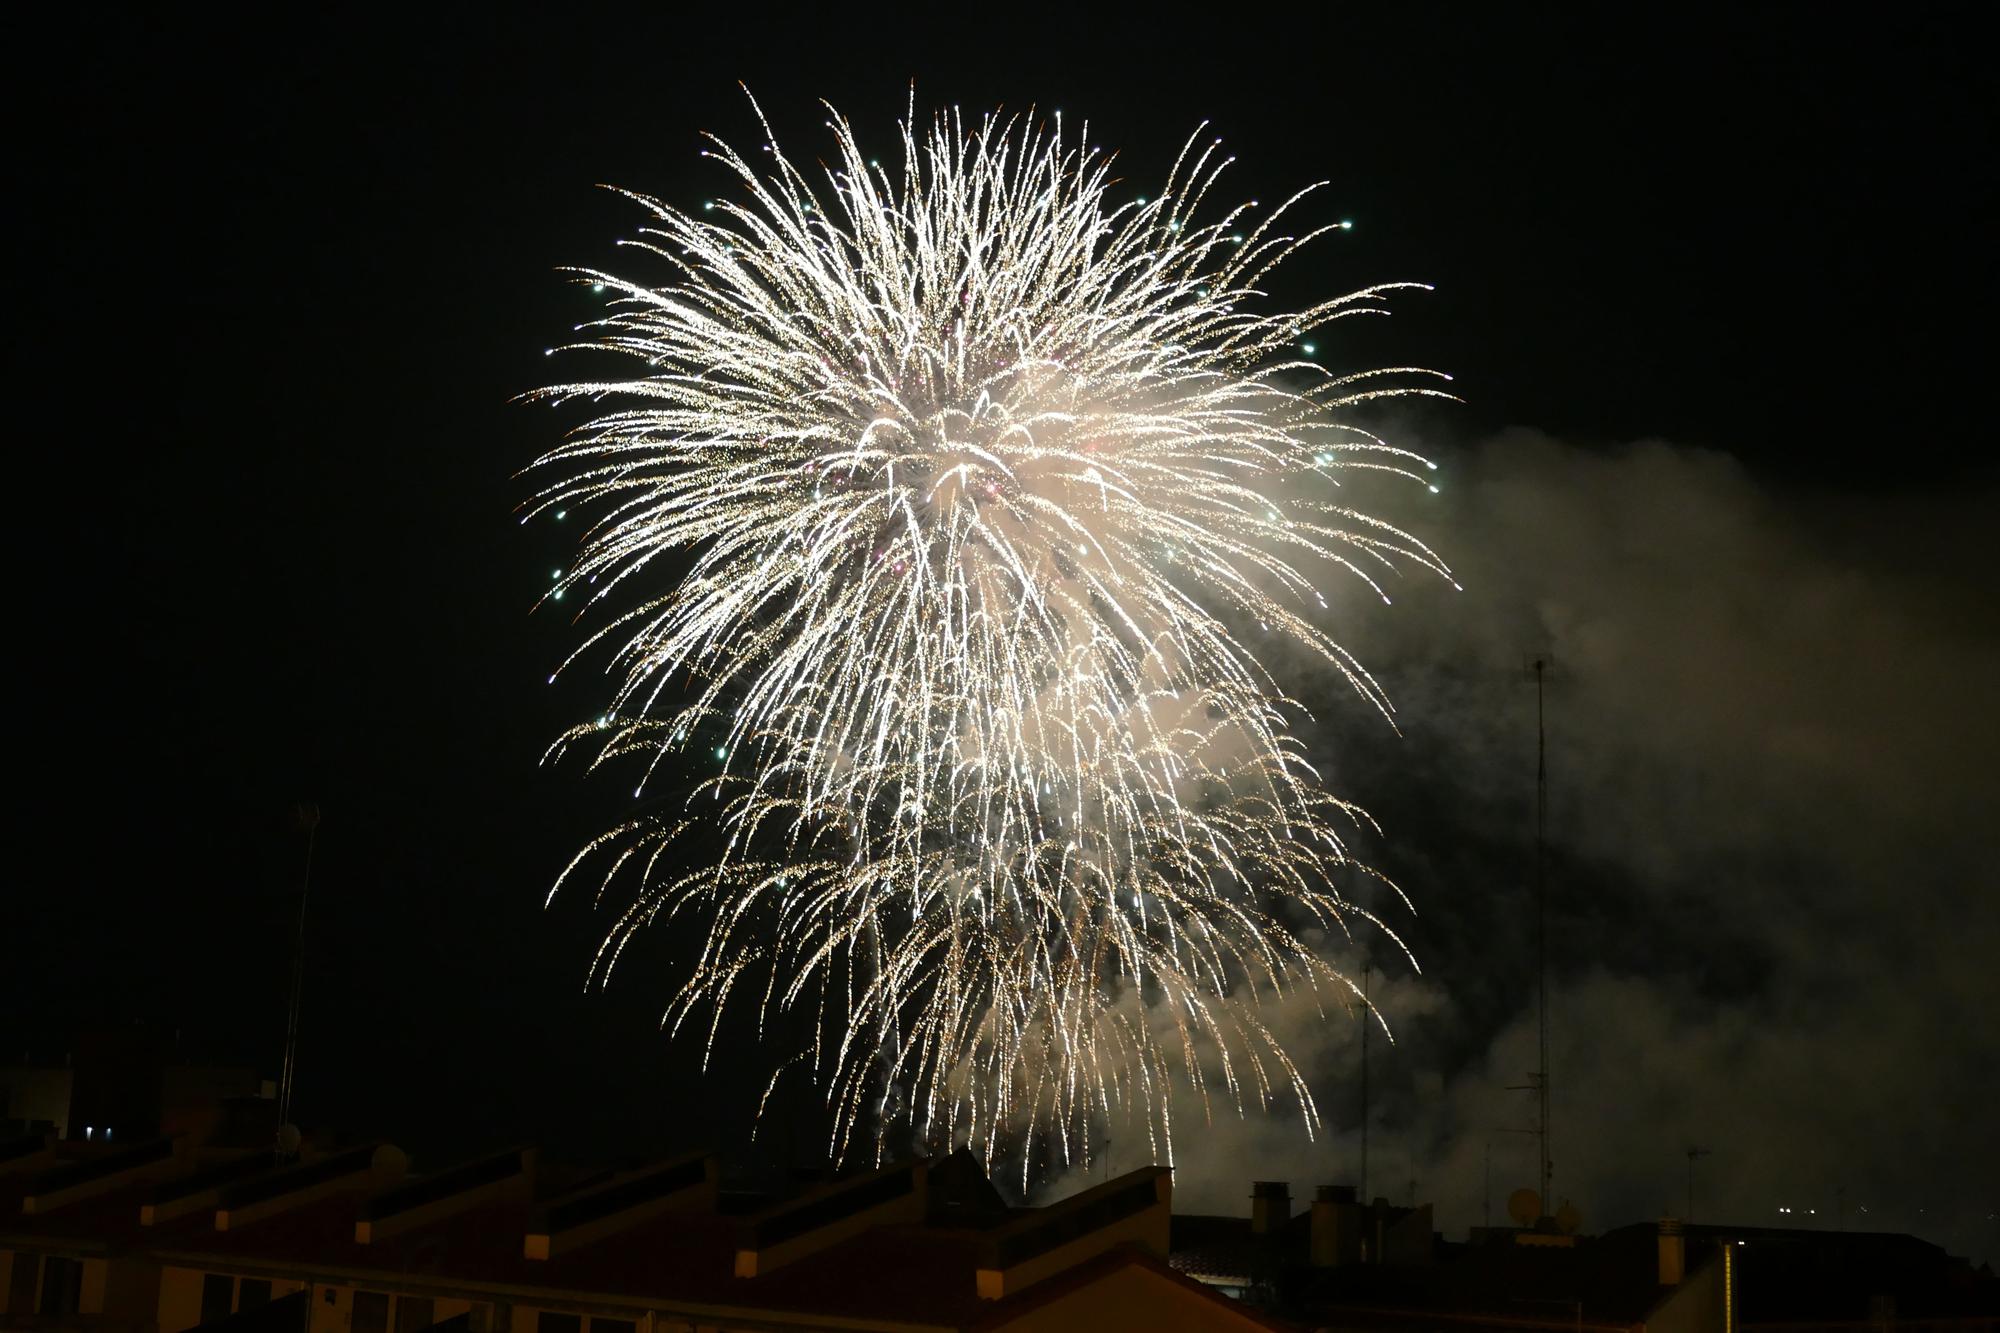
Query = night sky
x=1715 y=291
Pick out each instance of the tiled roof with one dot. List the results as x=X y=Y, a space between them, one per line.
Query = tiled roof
x=1001 y=1313
x=673 y=1260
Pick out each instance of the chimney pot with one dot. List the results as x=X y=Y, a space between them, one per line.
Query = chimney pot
x=1336 y=1227
x=1673 y=1252
x=1270 y=1205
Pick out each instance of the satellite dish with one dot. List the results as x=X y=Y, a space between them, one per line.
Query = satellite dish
x=1524 y=1206
x=288 y=1140
x=1568 y=1219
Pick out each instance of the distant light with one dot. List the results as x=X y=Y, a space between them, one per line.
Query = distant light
x=1307 y=348
x=555 y=573
x=597 y=286
x=562 y=514
x=558 y=594
x=90 y=1131
x=707 y=204
x=721 y=752
x=107 y=1133
x=1346 y=226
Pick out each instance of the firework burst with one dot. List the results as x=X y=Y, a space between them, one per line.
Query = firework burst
x=940 y=506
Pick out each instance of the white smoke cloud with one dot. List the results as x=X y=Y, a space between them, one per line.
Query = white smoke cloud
x=1771 y=822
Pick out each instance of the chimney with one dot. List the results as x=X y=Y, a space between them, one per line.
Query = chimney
x=1336 y=1227
x=1375 y=1228
x=1270 y=1206
x=1673 y=1252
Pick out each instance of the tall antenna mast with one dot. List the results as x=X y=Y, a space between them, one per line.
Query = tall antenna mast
x=1541 y=668
x=1366 y=1013
x=1488 y=1220
x=308 y=819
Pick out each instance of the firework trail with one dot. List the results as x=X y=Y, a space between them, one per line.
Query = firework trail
x=938 y=505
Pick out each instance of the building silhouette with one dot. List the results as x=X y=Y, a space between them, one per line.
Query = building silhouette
x=169 y=1234
x=158 y=1238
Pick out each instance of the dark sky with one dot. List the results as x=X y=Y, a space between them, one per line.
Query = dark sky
x=1713 y=288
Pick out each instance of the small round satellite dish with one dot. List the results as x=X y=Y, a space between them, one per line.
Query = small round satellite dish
x=1524 y=1206
x=288 y=1140
x=1568 y=1219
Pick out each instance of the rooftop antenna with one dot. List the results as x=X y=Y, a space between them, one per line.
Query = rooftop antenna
x=1541 y=665
x=1366 y=1013
x=307 y=816
x=1692 y=1154
x=1489 y=1185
